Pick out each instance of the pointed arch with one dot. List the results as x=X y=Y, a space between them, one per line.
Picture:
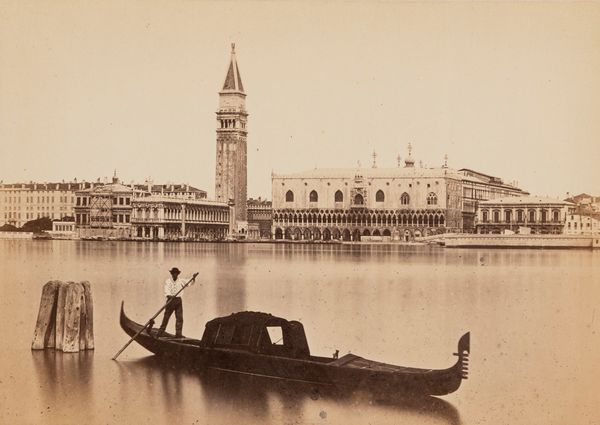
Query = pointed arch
x=313 y=196
x=432 y=199
x=339 y=196
x=379 y=196
x=289 y=196
x=405 y=199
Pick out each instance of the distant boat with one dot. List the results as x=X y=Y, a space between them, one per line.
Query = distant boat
x=260 y=344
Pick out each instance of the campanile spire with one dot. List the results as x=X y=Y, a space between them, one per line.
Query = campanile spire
x=231 y=159
x=233 y=80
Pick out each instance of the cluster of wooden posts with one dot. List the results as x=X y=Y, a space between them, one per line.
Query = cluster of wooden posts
x=65 y=318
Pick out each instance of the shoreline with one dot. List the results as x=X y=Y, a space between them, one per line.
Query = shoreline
x=444 y=241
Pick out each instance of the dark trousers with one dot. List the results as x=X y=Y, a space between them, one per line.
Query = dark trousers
x=174 y=306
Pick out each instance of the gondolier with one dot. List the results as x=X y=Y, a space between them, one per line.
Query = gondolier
x=172 y=286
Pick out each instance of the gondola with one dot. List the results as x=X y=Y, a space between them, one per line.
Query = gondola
x=261 y=344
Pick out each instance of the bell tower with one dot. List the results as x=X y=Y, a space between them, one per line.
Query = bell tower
x=231 y=165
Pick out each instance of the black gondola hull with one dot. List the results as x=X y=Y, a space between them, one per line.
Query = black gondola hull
x=192 y=353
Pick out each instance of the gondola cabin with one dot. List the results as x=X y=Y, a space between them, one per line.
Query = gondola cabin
x=258 y=333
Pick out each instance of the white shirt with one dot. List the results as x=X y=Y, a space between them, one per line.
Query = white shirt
x=172 y=286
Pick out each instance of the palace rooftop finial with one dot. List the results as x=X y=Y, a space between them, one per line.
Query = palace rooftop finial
x=409 y=162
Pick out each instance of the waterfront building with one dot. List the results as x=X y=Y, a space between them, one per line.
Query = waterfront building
x=106 y=210
x=23 y=202
x=63 y=226
x=159 y=217
x=260 y=218
x=584 y=219
x=479 y=187
x=231 y=149
x=354 y=203
x=523 y=214
x=63 y=230
x=579 y=224
x=381 y=203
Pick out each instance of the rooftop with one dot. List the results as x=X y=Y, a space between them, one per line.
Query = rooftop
x=351 y=173
x=172 y=200
x=529 y=200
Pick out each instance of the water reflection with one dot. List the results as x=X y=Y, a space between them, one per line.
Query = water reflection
x=64 y=382
x=263 y=399
x=230 y=284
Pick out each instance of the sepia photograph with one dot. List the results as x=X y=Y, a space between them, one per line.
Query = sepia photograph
x=299 y=212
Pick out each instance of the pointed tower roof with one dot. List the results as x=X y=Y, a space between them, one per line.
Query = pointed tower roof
x=233 y=80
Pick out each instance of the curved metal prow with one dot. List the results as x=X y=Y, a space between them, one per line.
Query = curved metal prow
x=464 y=349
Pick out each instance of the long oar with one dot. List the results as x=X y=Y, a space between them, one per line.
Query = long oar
x=154 y=317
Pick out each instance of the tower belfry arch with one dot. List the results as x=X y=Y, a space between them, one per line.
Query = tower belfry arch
x=231 y=154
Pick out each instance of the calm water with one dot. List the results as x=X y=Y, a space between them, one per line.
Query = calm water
x=534 y=318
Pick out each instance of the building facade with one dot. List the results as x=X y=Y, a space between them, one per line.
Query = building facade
x=23 y=202
x=260 y=218
x=578 y=224
x=63 y=230
x=523 y=214
x=479 y=187
x=106 y=210
x=231 y=150
x=352 y=204
x=168 y=218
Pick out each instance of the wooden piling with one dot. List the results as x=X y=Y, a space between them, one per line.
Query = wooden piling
x=65 y=317
x=44 y=334
x=88 y=334
x=60 y=315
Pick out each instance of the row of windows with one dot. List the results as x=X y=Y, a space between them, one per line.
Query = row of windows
x=359 y=199
x=575 y=225
x=116 y=218
x=231 y=123
x=121 y=218
x=190 y=214
x=520 y=216
x=38 y=199
x=119 y=200
x=30 y=216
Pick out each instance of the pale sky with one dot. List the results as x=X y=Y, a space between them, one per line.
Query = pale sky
x=511 y=90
